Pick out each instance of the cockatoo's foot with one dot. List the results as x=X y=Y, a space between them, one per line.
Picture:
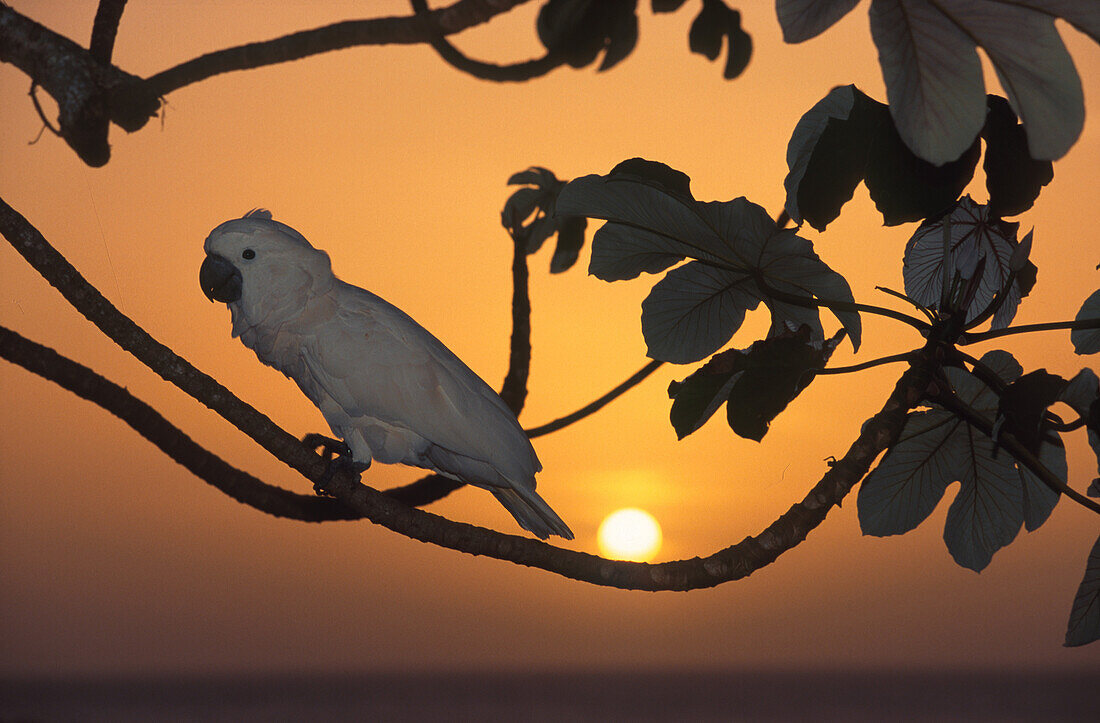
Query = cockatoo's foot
x=329 y=447
x=339 y=459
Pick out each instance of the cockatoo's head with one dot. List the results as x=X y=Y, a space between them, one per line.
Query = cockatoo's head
x=259 y=266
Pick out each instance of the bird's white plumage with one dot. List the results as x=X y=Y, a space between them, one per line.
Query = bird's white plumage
x=387 y=387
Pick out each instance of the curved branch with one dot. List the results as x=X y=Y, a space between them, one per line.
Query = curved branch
x=525 y=70
x=514 y=389
x=105 y=30
x=405 y=30
x=149 y=423
x=732 y=563
x=598 y=404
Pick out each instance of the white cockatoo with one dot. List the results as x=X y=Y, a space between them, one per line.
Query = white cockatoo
x=388 y=388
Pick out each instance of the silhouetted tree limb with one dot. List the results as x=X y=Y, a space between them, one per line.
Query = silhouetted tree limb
x=596 y=405
x=515 y=72
x=149 y=423
x=407 y=30
x=732 y=563
x=91 y=93
x=105 y=29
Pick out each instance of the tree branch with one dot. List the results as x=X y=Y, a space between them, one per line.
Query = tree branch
x=732 y=563
x=91 y=93
x=149 y=423
x=105 y=29
x=88 y=94
x=522 y=71
x=597 y=405
x=405 y=30
x=975 y=337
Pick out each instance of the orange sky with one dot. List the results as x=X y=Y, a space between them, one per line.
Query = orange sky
x=115 y=559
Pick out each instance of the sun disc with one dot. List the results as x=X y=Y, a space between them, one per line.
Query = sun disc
x=629 y=534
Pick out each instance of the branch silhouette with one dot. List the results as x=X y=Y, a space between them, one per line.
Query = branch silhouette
x=514 y=72
x=91 y=92
x=731 y=563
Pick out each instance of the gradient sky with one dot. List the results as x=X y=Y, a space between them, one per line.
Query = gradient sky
x=114 y=559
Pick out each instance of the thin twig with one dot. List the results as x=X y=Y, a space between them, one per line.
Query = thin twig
x=972 y=337
x=903 y=357
x=515 y=72
x=406 y=30
x=596 y=405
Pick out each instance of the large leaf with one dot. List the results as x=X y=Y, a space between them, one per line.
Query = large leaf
x=846 y=138
x=977 y=242
x=909 y=482
x=987 y=513
x=1087 y=341
x=934 y=81
x=996 y=495
x=694 y=311
x=1084 y=617
x=1083 y=395
x=740 y=258
x=1012 y=177
x=756 y=384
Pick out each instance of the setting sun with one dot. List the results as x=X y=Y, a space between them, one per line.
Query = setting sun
x=630 y=534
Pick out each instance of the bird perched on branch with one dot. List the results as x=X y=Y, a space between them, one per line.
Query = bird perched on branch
x=388 y=388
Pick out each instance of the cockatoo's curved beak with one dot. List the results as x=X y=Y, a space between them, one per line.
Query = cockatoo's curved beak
x=220 y=280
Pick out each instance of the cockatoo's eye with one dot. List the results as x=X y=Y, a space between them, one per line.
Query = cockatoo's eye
x=248 y=254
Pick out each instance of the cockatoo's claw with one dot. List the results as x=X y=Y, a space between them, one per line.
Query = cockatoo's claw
x=329 y=447
x=342 y=461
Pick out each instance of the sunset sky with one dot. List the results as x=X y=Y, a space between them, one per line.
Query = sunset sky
x=115 y=559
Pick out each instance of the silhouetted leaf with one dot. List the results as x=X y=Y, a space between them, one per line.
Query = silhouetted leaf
x=1084 y=616
x=805 y=19
x=1012 y=176
x=715 y=22
x=975 y=237
x=580 y=30
x=658 y=175
x=694 y=311
x=907 y=188
x=570 y=240
x=934 y=79
x=1024 y=403
x=909 y=482
x=742 y=258
x=529 y=216
x=996 y=496
x=1083 y=395
x=846 y=138
x=827 y=156
x=1039 y=499
x=758 y=383
x=1087 y=341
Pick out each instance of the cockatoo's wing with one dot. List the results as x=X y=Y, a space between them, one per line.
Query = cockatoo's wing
x=378 y=364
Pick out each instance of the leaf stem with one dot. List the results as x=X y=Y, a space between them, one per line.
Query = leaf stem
x=903 y=357
x=975 y=337
x=596 y=405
